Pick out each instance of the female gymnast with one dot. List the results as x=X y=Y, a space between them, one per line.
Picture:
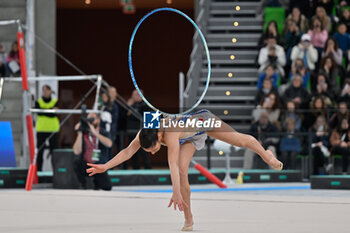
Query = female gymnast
x=182 y=143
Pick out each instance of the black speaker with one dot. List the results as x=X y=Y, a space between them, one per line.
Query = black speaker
x=64 y=176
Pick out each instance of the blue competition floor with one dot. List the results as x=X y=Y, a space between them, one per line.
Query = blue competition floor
x=230 y=189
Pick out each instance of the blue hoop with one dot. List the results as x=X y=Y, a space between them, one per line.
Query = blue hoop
x=206 y=50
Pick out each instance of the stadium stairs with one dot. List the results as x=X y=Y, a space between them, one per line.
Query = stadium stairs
x=232 y=30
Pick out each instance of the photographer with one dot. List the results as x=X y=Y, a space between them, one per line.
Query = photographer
x=91 y=145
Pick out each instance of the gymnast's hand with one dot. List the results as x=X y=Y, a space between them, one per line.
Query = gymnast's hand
x=178 y=201
x=95 y=168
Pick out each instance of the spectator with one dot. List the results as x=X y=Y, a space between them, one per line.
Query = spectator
x=290 y=145
x=292 y=37
x=322 y=16
x=106 y=116
x=13 y=60
x=291 y=114
x=345 y=93
x=46 y=124
x=305 y=51
x=133 y=123
x=305 y=7
x=2 y=61
x=343 y=39
x=332 y=50
x=326 y=5
x=342 y=113
x=299 y=68
x=330 y=69
x=269 y=73
x=91 y=146
x=321 y=89
x=345 y=18
x=271 y=31
x=272 y=54
x=297 y=93
x=300 y=20
x=340 y=141
x=266 y=89
x=259 y=130
x=114 y=110
x=320 y=145
x=318 y=35
x=318 y=108
x=270 y=104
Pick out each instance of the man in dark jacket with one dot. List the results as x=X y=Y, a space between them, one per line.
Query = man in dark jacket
x=297 y=93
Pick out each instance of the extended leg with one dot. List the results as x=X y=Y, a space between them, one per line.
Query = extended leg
x=186 y=152
x=227 y=134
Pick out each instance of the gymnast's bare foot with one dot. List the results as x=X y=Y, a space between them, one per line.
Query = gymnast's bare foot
x=273 y=162
x=188 y=226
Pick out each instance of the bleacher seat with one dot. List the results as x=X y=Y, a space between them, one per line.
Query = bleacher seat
x=275 y=13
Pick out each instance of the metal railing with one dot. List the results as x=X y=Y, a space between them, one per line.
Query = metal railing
x=193 y=74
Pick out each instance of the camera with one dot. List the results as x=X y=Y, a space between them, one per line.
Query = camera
x=84 y=120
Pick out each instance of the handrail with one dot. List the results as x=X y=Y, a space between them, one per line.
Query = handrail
x=193 y=73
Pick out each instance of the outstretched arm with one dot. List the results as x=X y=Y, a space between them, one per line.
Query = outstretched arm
x=172 y=141
x=122 y=156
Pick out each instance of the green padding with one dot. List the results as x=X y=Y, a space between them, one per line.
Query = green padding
x=20 y=181
x=192 y=171
x=337 y=156
x=62 y=169
x=4 y=172
x=246 y=177
x=335 y=183
x=275 y=13
x=13 y=168
x=45 y=173
x=265 y=177
x=162 y=179
x=332 y=177
x=115 y=180
x=63 y=150
x=2 y=182
x=282 y=177
x=202 y=178
x=308 y=85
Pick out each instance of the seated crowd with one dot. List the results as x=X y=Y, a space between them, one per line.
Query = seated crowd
x=304 y=86
x=9 y=62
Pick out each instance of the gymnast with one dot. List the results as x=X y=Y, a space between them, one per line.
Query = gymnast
x=182 y=142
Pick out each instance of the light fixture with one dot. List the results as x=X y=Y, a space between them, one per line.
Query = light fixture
x=169 y=2
x=232 y=57
x=229 y=75
x=87 y=2
x=235 y=24
x=225 y=112
x=234 y=40
x=228 y=93
x=238 y=8
x=221 y=152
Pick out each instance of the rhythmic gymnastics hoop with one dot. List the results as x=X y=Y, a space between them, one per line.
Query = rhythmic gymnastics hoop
x=206 y=50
